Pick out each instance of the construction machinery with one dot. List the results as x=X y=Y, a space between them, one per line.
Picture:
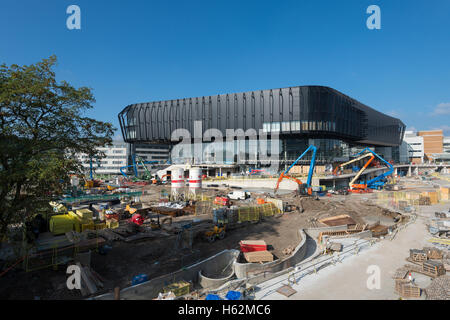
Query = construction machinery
x=143 y=163
x=303 y=188
x=375 y=183
x=218 y=232
x=379 y=181
x=352 y=186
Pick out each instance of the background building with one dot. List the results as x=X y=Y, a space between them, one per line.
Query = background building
x=300 y=116
x=415 y=147
x=433 y=142
x=116 y=156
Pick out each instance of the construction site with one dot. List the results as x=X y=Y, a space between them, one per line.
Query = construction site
x=178 y=234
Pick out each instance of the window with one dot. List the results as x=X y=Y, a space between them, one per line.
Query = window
x=275 y=127
x=295 y=125
x=286 y=126
x=266 y=127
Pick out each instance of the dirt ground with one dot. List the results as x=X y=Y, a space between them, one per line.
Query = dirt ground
x=160 y=256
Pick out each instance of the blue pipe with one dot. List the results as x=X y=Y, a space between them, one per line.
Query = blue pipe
x=90 y=165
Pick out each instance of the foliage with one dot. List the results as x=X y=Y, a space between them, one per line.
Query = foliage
x=42 y=127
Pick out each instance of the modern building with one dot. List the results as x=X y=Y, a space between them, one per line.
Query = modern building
x=446 y=146
x=415 y=147
x=257 y=128
x=116 y=156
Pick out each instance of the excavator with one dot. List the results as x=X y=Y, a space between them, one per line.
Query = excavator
x=357 y=188
x=375 y=183
x=379 y=181
x=303 y=188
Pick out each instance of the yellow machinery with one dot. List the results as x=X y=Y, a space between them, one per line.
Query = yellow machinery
x=130 y=210
x=155 y=224
x=217 y=232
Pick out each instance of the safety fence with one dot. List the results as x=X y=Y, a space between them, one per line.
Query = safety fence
x=57 y=252
x=255 y=213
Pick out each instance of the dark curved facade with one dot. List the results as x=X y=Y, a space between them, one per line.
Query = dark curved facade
x=304 y=112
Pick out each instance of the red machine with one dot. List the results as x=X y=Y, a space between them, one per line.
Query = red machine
x=223 y=201
x=253 y=245
x=137 y=219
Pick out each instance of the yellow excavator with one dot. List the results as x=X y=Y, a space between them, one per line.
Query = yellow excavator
x=218 y=232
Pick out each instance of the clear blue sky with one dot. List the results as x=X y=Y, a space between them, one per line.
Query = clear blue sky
x=140 y=51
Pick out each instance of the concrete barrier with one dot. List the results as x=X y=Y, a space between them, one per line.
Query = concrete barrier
x=216 y=272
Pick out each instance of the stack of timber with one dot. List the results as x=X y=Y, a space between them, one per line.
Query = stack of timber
x=407 y=290
x=173 y=212
x=258 y=256
x=417 y=255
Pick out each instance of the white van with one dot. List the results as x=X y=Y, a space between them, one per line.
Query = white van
x=238 y=195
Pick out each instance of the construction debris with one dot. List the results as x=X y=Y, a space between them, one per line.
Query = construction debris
x=439 y=289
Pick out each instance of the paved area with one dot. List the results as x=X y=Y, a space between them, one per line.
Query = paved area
x=348 y=280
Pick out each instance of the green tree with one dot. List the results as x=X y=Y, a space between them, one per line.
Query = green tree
x=42 y=127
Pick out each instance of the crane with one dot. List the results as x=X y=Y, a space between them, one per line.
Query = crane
x=310 y=173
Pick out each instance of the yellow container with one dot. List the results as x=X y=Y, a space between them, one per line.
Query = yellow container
x=99 y=226
x=87 y=226
x=112 y=224
x=84 y=214
x=60 y=224
x=178 y=288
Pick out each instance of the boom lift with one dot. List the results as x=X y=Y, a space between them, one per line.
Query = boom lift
x=304 y=188
x=352 y=186
x=377 y=182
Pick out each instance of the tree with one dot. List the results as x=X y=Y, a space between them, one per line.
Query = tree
x=42 y=127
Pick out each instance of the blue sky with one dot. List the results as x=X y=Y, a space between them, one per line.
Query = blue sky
x=140 y=51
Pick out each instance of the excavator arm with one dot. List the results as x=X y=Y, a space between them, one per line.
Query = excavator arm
x=383 y=175
x=351 y=184
x=348 y=162
x=310 y=173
